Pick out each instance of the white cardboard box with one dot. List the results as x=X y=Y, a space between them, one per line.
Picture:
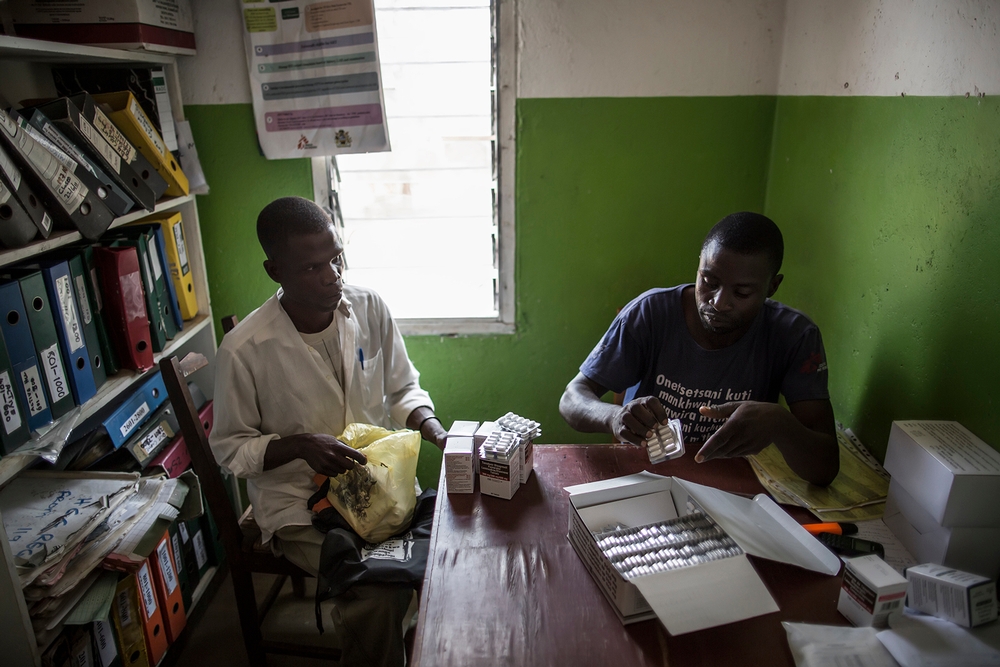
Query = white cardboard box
x=484 y=431
x=497 y=478
x=463 y=428
x=129 y=24
x=700 y=596
x=953 y=474
x=527 y=459
x=871 y=592
x=968 y=549
x=960 y=597
x=460 y=464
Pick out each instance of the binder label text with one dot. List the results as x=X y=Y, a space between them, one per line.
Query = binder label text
x=105 y=642
x=81 y=289
x=155 y=254
x=102 y=146
x=136 y=419
x=74 y=336
x=146 y=590
x=175 y=543
x=113 y=136
x=124 y=608
x=33 y=390
x=54 y=373
x=166 y=568
x=182 y=252
x=147 y=128
x=11 y=417
x=200 y=554
x=183 y=530
x=153 y=439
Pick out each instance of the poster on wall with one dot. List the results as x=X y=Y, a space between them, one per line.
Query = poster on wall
x=315 y=77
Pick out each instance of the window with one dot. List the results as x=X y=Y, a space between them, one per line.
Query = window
x=429 y=225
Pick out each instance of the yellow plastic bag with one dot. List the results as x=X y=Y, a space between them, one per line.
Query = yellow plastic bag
x=378 y=499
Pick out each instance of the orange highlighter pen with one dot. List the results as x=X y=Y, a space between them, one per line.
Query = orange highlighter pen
x=835 y=528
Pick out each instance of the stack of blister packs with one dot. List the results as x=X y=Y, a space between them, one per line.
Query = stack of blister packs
x=506 y=456
x=670 y=545
x=667 y=442
x=526 y=431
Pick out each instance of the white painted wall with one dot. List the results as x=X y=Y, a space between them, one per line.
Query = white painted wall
x=648 y=48
x=653 y=48
x=890 y=47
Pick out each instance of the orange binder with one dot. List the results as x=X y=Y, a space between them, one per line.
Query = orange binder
x=153 y=627
x=168 y=589
x=125 y=305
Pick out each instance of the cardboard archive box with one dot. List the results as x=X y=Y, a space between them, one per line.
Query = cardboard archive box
x=697 y=596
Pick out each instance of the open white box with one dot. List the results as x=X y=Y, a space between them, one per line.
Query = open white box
x=699 y=596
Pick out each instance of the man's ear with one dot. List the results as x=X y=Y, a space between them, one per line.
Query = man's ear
x=773 y=287
x=272 y=270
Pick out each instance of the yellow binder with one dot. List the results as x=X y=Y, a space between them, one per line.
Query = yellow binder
x=177 y=257
x=126 y=113
x=128 y=622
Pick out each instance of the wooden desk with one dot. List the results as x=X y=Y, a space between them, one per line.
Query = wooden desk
x=504 y=586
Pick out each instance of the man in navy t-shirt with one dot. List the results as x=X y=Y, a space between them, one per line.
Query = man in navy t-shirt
x=716 y=355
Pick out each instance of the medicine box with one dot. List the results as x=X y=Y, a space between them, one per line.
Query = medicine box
x=527 y=459
x=871 y=592
x=499 y=477
x=152 y=25
x=460 y=464
x=463 y=428
x=484 y=431
x=950 y=472
x=960 y=597
x=699 y=595
x=969 y=549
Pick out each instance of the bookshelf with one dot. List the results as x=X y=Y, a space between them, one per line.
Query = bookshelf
x=26 y=65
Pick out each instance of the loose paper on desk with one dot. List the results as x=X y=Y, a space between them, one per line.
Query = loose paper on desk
x=836 y=646
x=857 y=494
x=915 y=640
x=315 y=77
x=896 y=554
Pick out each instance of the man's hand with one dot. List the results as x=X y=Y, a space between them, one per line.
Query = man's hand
x=749 y=428
x=324 y=453
x=636 y=420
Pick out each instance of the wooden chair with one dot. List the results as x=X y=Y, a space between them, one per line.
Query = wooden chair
x=241 y=537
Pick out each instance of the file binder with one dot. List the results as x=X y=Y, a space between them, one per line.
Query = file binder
x=160 y=254
x=136 y=410
x=13 y=420
x=106 y=644
x=177 y=257
x=153 y=436
x=69 y=326
x=92 y=175
x=70 y=203
x=10 y=176
x=89 y=316
x=168 y=587
x=128 y=622
x=152 y=615
x=43 y=333
x=103 y=143
x=175 y=458
x=21 y=348
x=174 y=532
x=154 y=280
x=16 y=226
x=125 y=112
x=93 y=285
x=124 y=302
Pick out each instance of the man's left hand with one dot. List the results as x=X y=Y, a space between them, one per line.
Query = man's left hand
x=749 y=429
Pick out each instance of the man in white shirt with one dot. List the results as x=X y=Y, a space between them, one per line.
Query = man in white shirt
x=313 y=358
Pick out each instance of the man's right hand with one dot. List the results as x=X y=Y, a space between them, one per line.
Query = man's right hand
x=324 y=453
x=636 y=420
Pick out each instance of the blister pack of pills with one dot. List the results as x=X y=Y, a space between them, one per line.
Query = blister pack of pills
x=682 y=542
x=667 y=442
x=500 y=445
x=524 y=428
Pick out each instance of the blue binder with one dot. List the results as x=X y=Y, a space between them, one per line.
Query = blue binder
x=66 y=314
x=21 y=348
x=136 y=409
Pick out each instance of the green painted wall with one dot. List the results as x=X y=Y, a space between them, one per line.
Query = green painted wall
x=891 y=214
x=613 y=197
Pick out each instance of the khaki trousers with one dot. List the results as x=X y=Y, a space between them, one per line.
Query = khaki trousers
x=369 y=620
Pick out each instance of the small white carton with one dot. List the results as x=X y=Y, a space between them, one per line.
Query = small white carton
x=953 y=474
x=968 y=549
x=871 y=591
x=960 y=597
x=463 y=428
x=484 y=431
x=499 y=477
x=698 y=596
x=527 y=459
x=460 y=464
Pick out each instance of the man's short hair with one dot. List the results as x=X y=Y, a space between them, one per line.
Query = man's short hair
x=287 y=217
x=749 y=233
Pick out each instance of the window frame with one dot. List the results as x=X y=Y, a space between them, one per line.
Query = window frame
x=504 y=24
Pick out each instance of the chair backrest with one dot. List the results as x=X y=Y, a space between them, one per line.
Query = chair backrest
x=203 y=460
x=229 y=323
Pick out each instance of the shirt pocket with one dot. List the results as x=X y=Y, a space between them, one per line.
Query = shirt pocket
x=371 y=383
